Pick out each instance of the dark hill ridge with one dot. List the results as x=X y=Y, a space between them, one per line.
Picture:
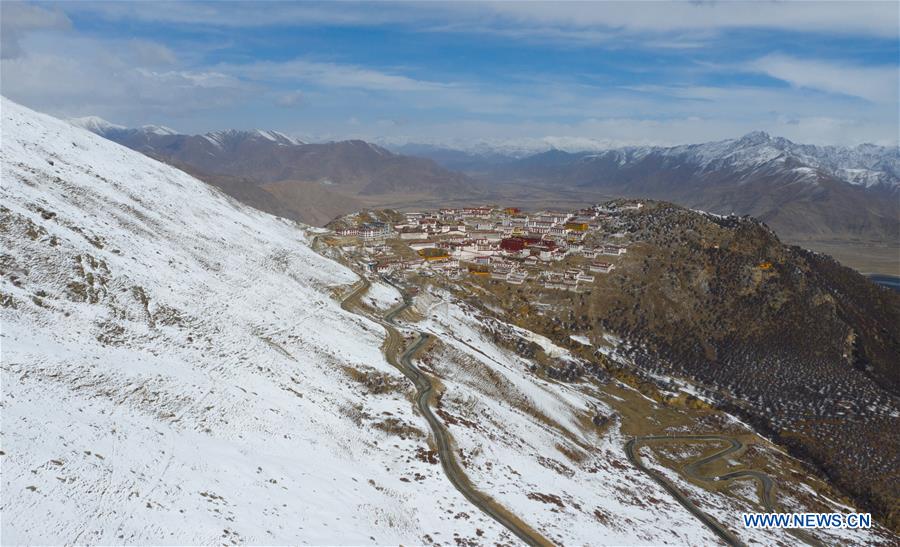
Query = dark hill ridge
x=803 y=348
x=281 y=175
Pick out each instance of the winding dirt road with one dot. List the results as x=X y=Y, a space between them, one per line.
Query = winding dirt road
x=402 y=360
x=767 y=485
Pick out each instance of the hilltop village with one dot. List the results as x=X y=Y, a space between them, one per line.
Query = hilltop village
x=504 y=244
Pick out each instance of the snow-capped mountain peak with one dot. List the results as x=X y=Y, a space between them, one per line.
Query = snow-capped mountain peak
x=158 y=130
x=865 y=164
x=278 y=137
x=230 y=137
x=99 y=126
x=755 y=138
x=146 y=133
x=95 y=124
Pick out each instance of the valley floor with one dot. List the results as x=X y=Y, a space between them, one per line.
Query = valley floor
x=863 y=256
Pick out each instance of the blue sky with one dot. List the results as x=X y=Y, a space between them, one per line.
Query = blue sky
x=567 y=74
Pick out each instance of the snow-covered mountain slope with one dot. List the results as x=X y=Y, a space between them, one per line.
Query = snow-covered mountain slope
x=175 y=369
x=233 y=137
x=96 y=124
x=227 y=137
x=866 y=164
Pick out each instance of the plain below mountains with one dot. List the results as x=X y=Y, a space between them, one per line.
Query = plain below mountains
x=844 y=201
x=283 y=175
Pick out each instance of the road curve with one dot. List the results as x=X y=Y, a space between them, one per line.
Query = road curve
x=765 y=481
x=402 y=360
x=631 y=450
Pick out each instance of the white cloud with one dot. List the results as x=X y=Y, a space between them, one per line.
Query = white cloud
x=854 y=17
x=73 y=76
x=597 y=20
x=18 y=19
x=329 y=75
x=250 y=14
x=876 y=84
x=290 y=99
x=152 y=53
x=137 y=82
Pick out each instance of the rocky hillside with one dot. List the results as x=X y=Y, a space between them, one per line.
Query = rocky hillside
x=795 y=343
x=803 y=347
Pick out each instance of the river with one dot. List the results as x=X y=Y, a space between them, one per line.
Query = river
x=890 y=281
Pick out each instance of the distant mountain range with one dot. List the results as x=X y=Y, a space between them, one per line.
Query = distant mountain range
x=866 y=164
x=812 y=195
x=285 y=176
x=804 y=192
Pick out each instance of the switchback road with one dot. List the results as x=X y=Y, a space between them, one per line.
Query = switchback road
x=767 y=485
x=402 y=360
x=632 y=449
